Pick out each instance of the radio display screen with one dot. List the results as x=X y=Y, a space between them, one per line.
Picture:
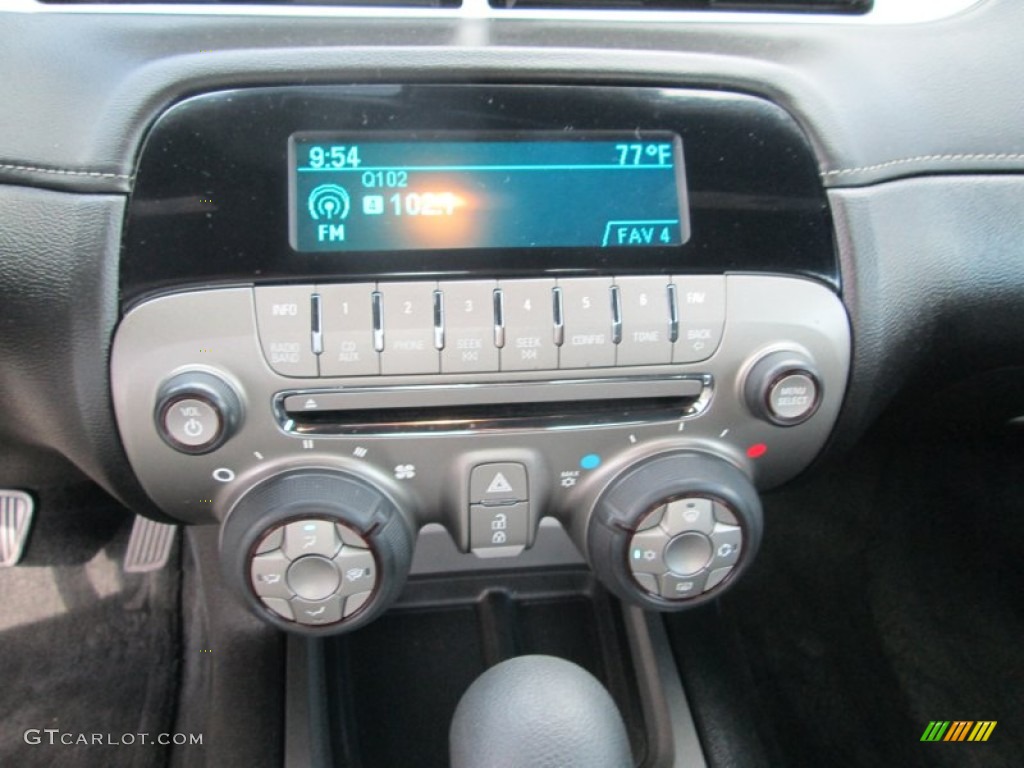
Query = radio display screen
x=408 y=193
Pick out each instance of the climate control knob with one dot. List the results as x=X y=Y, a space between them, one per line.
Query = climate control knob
x=674 y=530
x=316 y=551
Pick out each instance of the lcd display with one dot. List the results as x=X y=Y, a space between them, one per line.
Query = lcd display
x=406 y=193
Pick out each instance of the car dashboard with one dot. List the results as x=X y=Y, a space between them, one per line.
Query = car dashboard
x=473 y=331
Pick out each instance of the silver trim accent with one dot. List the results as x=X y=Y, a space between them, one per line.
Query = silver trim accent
x=499 y=318
x=316 y=324
x=149 y=546
x=557 y=312
x=292 y=402
x=16 y=512
x=673 y=313
x=377 y=305
x=439 y=320
x=885 y=12
x=616 y=315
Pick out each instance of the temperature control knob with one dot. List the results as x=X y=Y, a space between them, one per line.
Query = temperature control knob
x=674 y=530
x=316 y=551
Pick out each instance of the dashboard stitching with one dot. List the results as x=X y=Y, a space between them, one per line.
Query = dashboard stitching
x=63 y=172
x=924 y=158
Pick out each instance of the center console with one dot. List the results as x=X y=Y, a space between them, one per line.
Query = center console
x=352 y=312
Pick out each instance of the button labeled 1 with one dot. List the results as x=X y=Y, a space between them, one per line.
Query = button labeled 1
x=347 y=322
x=529 y=322
x=587 y=308
x=469 y=327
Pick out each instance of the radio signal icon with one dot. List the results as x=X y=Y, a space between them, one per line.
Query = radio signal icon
x=328 y=201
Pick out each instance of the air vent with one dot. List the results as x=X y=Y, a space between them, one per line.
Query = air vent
x=780 y=6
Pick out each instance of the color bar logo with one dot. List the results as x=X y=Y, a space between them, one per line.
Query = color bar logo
x=959 y=730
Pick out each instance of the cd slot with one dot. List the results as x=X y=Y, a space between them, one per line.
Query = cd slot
x=492 y=407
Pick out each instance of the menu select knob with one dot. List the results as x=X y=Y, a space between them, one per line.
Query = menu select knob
x=196 y=412
x=674 y=530
x=783 y=388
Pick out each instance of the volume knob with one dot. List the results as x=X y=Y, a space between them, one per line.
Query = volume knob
x=197 y=412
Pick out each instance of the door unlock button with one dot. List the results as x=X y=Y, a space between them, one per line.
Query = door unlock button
x=498 y=528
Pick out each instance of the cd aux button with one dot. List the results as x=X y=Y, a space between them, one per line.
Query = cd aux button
x=469 y=327
x=347 y=322
x=529 y=325
x=587 y=307
x=285 y=321
x=408 y=324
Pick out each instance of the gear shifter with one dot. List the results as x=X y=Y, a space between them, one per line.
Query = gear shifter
x=538 y=712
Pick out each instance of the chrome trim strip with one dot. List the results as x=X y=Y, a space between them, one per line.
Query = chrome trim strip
x=439 y=320
x=316 y=316
x=884 y=12
x=499 y=318
x=557 y=309
x=616 y=315
x=673 y=314
x=377 y=306
x=698 y=387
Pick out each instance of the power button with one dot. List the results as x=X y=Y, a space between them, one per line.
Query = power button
x=191 y=422
x=196 y=412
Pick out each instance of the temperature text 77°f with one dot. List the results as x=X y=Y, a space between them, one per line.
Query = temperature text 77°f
x=644 y=154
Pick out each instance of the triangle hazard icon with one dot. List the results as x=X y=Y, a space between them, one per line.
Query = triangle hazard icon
x=499 y=484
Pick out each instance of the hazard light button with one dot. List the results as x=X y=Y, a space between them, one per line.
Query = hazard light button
x=498 y=483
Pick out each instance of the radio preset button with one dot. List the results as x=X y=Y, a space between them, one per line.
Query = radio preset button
x=347 y=322
x=408 y=321
x=646 y=321
x=701 y=312
x=587 y=306
x=529 y=325
x=285 y=321
x=469 y=327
